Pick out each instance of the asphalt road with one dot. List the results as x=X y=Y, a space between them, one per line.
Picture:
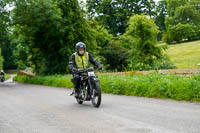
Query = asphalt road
x=40 y=109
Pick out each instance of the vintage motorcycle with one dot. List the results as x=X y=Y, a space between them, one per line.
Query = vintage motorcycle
x=2 y=78
x=89 y=87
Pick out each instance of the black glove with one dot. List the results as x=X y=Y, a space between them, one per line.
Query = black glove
x=99 y=68
x=74 y=70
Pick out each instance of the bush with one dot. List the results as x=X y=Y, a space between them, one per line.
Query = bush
x=182 y=22
x=180 y=32
x=141 y=38
x=56 y=80
x=116 y=57
x=1 y=61
x=7 y=76
x=151 y=85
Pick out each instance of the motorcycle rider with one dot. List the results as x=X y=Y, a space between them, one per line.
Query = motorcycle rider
x=2 y=74
x=80 y=60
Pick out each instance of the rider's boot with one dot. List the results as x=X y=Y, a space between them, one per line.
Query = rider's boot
x=76 y=90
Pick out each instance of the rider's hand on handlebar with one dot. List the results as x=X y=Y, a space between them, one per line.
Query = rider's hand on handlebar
x=74 y=70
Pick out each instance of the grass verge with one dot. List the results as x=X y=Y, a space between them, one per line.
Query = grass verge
x=7 y=76
x=56 y=80
x=151 y=85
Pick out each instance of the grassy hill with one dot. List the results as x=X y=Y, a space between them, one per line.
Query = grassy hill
x=185 y=55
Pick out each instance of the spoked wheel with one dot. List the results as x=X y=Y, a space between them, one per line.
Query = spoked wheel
x=81 y=95
x=79 y=101
x=96 y=95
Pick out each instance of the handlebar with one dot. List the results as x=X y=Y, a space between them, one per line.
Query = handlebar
x=89 y=69
x=80 y=71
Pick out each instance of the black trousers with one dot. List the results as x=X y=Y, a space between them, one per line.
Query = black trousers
x=76 y=81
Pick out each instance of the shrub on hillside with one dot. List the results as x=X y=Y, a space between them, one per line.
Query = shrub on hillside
x=179 y=32
x=116 y=57
x=141 y=38
x=182 y=22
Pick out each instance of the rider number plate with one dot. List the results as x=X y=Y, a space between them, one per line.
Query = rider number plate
x=91 y=74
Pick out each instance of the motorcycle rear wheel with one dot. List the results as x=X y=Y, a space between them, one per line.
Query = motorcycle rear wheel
x=79 y=101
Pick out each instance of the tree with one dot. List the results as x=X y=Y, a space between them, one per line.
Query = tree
x=5 y=45
x=161 y=9
x=182 y=22
x=114 y=14
x=103 y=37
x=21 y=49
x=196 y=4
x=1 y=61
x=140 y=37
x=50 y=29
x=38 y=21
x=173 y=4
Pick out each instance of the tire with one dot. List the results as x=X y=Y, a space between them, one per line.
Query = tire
x=96 y=95
x=79 y=101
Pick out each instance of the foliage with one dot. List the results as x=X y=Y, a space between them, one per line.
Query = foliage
x=116 y=57
x=101 y=34
x=140 y=37
x=114 y=15
x=154 y=85
x=179 y=32
x=38 y=22
x=102 y=38
x=182 y=22
x=151 y=85
x=56 y=80
x=42 y=33
x=7 y=76
x=161 y=10
x=21 y=50
x=4 y=35
x=173 y=4
x=1 y=61
x=7 y=54
x=195 y=3
x=50 y=30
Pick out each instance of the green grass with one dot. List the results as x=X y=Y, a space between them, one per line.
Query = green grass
x=56 y=80
x=7 y=76
x=151 y=85
x=154 y=85
x=185 y=55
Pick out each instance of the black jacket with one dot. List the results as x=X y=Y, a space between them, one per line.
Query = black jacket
x=72 y=62
x=2 y=73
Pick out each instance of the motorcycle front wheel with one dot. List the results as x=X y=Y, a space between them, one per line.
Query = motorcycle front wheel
x=96 y=95
x=79 y=99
